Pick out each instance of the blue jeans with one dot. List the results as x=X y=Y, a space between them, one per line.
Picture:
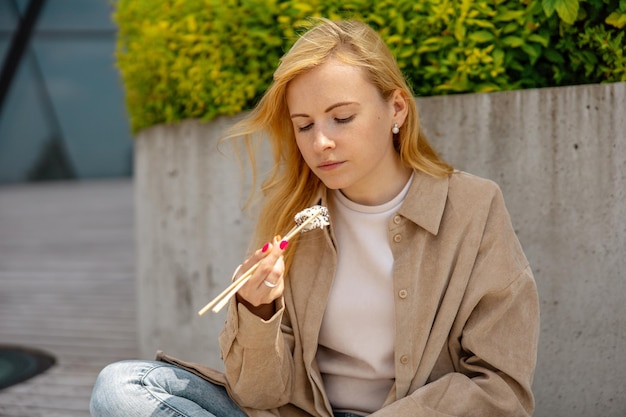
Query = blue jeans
x=157 y=389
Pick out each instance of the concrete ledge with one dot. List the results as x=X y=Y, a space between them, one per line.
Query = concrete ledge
x=559 y=155
x=191 y=235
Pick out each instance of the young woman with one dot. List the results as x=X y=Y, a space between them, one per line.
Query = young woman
x=416 y=301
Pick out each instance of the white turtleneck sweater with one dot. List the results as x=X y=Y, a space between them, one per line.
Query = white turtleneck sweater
x=356 y=343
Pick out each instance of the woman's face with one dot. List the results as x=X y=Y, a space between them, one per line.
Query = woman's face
x=343 y=130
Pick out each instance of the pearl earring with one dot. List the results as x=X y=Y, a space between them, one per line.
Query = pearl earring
x=395 y=130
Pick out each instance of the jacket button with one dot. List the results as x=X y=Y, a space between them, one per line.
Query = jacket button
x=403 y=293
x=397 y=219
x=397 y=238
x=404 y=359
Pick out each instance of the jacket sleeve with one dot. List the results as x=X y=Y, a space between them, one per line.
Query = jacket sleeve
x=257 y=358
x=495 y=371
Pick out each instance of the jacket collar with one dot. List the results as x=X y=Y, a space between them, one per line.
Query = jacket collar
x=426 y=200
x=424 y=203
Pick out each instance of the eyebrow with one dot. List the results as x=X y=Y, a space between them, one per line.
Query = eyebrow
x=333 y=106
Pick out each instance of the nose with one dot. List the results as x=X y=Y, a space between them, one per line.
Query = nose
x=322 y=141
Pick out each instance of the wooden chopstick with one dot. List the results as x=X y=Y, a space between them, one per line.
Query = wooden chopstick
x=222 y=299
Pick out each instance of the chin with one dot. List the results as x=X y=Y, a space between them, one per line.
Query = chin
x=335 y=180
x=332 y=185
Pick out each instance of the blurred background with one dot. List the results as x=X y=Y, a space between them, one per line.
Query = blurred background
x=67 y=288
x=62 y=113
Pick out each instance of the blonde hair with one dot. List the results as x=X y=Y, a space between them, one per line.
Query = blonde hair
x=291 y=185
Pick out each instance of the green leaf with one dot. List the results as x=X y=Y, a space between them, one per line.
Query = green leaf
x=566 y=9
x=406 y=51
x=510 y=28
x=394 y=39
x=554 y=56
x=548 y=7
x=513 y=41
x=498 y=57
x=616 y=19
x=480 y=23
x=400 y=25
x=481 y=36
x=539 y=39
x=427 y=48
x=459 y=30
x=532 y=51
x=487 y=88
x=509 y=15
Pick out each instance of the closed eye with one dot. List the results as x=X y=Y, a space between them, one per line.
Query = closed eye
x=345 y=119
x=305 y=128
x=339 y=120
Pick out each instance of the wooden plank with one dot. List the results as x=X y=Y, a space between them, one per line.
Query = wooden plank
x=26 y=411
x=66 y=287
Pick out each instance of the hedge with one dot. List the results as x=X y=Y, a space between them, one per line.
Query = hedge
x=203 y=58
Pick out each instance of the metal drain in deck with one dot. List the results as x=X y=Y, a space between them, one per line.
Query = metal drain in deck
x=18 y=364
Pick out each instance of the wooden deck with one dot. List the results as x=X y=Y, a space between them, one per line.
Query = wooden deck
x=66 y=287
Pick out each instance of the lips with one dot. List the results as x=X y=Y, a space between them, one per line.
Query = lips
x=328 y=165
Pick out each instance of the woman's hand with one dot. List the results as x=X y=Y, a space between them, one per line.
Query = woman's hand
x=266 y=283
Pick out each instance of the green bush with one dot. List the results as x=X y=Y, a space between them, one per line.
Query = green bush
x=203 y=58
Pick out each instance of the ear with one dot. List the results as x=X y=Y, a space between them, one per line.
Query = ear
x=400 y=106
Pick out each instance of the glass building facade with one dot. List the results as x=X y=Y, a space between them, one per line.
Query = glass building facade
x=62 y=112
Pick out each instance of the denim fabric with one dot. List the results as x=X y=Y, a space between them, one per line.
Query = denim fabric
x=157 y=389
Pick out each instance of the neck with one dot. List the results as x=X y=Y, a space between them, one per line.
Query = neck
x=382 y=188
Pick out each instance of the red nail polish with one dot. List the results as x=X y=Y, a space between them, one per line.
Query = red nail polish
x=283 y=244
x=265 y=247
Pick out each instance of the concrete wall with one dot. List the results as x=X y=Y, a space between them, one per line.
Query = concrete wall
x=191 y=235
x=559 y=156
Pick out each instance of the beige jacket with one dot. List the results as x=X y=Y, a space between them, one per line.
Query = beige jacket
x=467 y=315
